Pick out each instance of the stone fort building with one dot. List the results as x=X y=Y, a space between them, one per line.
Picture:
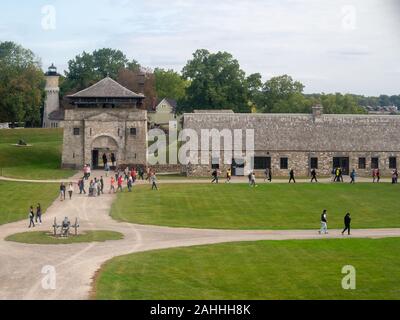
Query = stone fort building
x=107 y=118
x=306 y=141
x=104 y=119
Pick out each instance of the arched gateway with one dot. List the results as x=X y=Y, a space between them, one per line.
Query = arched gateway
x=104 y=147
x=102 y=120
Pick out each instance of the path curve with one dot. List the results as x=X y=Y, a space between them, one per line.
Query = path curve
x=21 y=265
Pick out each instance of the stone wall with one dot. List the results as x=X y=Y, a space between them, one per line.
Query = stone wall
x=300 y=137
x=96 y=124
x=300 y=163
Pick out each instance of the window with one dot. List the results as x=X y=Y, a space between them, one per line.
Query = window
x=375 y=163
x=77 y=131
x=215 y=163
x=314 y=163
x=133 y=131
x=362 y=163
x=392 y=163
x=262 y=163
x=284 y=163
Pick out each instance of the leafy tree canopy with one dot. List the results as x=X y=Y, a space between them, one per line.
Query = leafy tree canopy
x=21 y=84
x=88 y=68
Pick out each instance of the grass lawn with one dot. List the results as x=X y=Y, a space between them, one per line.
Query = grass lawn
x=258 y=271
x=276 y=206
x=46 y=238
x=41 y=161
x=17 y=197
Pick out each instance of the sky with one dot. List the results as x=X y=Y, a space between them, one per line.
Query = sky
x=348 y=46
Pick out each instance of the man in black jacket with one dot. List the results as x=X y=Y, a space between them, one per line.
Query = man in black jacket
x=347 y=223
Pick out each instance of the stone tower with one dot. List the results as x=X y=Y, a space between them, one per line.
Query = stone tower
x=52 y=102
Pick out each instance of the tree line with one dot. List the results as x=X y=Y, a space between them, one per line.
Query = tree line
x=208 y=81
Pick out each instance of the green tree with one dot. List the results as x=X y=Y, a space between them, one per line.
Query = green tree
x=216 y=82
x=278 y=91
x=340 y=104
x=21 y=85
x=88 y=68
x=169 y=84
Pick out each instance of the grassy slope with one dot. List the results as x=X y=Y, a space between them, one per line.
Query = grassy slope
x=266 y=207
x=46 y=238
x=258 y=270
x=16 y=198
x=41 y=161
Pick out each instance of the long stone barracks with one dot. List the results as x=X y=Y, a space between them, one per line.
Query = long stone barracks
x=303 y=142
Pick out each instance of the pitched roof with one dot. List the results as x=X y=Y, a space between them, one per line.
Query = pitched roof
x=106 y=88
x=57 y=115
x=171 y=102
x=303 y=132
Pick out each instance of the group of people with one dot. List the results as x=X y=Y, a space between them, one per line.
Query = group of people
x=337 y=176
x=63 y=191
x=324 y=223
x=35 y=218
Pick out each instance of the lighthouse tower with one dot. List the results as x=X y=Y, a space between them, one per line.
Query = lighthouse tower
x=52 y=102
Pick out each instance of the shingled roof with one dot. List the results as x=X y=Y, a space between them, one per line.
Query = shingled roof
x=106 y=88
x=303 y=132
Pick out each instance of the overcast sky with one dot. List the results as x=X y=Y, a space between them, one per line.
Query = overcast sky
x=329 y=45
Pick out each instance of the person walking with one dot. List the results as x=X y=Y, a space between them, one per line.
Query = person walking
x=314 y=176
x=62 y=191
x=378 y=175
x=324 y=223
x=107 y=169
x=228 y=175
x=395 y=176
x=374 y=175
x=31 y=218
x=81 y=185
x=38 y=214
x=291 y=176
x=101 y=185
x=112 y=185
x=353 y=176
x=141 y=173
x=113 y=160
x=253 y=180
x=130 y=184
x=105 y=160
x=347 y=223
x=120 y=182
x=215 y=176
x=153 y=180
x=266 y=175
x=70 y=190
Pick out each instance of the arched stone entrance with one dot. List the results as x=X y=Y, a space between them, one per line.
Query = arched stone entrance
x=104 y=146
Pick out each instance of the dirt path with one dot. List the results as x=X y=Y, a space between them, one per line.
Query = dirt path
x=21 y=265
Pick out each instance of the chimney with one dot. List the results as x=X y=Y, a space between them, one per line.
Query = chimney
x=317 y=111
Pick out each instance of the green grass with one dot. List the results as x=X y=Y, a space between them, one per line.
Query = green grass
x=17 y=197
x=48 y=238
x=277 y=206
x=41 y=161
x=259 y=271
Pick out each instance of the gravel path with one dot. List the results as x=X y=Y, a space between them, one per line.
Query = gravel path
x=21 y=265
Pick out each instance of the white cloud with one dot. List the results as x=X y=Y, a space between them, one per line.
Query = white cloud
x=331 y=45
